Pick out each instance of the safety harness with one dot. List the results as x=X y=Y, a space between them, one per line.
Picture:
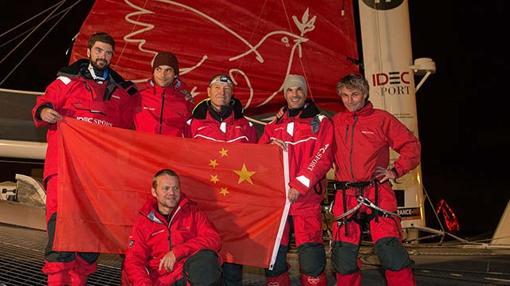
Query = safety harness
x=353 y=214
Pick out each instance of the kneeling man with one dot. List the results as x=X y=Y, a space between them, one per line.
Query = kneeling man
x=172 y=241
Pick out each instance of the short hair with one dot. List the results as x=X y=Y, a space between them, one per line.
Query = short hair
x=353 y=81
x=162 y=172
x=101 y=37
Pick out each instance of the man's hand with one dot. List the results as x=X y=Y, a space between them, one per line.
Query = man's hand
x=293 y=195
x=49 y=115
x=280 y=143
x=384 y=174
x=167 y=262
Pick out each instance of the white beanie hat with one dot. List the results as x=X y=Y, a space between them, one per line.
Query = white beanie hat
x=294 y=80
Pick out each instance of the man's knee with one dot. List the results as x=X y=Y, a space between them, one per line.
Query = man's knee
x=49 y=254
x=312 y=259
x=280 y=266
x=232 y=274
x=89 y=257
x=392 y=254
x=203 y=268
x=344 y=257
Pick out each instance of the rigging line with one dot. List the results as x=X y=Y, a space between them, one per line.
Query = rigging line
x=254 y=28
x=33 y=17
x=433 y=208
x=23 y=33
x=31 y=32
x=37 y=44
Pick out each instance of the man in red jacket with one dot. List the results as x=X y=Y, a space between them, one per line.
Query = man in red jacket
x=166 y=103
x=91 y=91
x=307 y=136
x=363 y=138
x=220 y=118
x=172 y=241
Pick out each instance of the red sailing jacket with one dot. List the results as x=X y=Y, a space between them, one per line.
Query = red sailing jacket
x=164 y=110
x=233 y=127
x=309 y=139
x=187 y=232
x=75 y=94
x=363 y=140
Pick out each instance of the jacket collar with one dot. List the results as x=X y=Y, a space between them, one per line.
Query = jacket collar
x=364 y=111
x=150 y=209
x=205 y=107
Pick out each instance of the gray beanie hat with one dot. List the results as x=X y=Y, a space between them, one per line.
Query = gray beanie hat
x=294 y=80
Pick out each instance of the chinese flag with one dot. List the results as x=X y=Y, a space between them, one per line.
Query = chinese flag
x=105 y=177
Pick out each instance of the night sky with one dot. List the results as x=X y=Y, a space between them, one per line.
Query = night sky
x=462 y=110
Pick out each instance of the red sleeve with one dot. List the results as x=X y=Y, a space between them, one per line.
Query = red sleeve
x=266 y=136
x=317 y=165
x=137 y=257
x=403 y=141
x=54 y=97
x=207 y=237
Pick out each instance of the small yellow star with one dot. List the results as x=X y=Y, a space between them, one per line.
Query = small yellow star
x=244 y=175
x=214 y=179
x=224 y=191
x=223 y=152
x=213 y=163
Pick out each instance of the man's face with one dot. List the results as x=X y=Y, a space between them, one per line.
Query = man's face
x=295 y=97
x=164 y=75
x=100 y=55
x=167 y=193
x=220 y=94
x=353 y=99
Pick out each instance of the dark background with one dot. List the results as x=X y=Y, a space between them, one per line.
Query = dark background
x=462 y=109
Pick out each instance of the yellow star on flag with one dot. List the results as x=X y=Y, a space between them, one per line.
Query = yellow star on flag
x=214 y=179
x=213 y=163
x=244 y=175
x=223 y=152
x=224 y=191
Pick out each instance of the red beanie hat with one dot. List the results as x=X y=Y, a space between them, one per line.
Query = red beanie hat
x=166 y=59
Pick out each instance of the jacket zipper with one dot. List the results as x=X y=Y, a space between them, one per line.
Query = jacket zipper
x=161 y=113
x=170 y=223
x=346 y=133
x=352 y=146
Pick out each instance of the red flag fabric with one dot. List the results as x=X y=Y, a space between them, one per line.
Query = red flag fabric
x=257 y=42
x=105 y=177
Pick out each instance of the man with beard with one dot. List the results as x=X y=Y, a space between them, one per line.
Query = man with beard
x=363 y=137
x=172 y=241
x=166 y=104
x=87 y=90
x=220 y=118
x=307 y=136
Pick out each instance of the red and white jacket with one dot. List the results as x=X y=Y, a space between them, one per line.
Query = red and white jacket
x=76 y=94
x=164 y=110
x=309 y=139
x=363 y=140
x=186 y=232
x=231 y=126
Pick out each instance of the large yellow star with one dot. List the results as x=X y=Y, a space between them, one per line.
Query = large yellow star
x=223 y=152
x=224 y=191
x=244 y=175
x=213 y=163
x=214 y=179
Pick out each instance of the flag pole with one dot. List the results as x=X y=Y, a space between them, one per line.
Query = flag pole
x=285 y=210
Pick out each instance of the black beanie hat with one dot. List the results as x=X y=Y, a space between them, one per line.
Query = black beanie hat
x=166 y=59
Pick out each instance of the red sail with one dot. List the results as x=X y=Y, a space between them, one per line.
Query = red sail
x=257 y=42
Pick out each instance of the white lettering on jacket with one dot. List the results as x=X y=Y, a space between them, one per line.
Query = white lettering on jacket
x=94 y=121
x=317 y=157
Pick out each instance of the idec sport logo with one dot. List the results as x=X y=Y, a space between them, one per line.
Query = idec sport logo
x=392 y=83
